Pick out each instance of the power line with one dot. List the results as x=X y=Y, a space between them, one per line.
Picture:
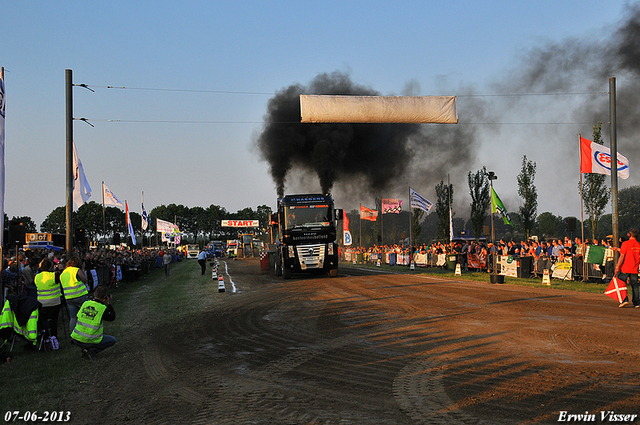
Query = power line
x=271 y=93
x=185 y=90
x=533 y=94
x=126 y=121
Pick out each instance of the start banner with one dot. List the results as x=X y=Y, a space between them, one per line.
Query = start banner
x=240 y=223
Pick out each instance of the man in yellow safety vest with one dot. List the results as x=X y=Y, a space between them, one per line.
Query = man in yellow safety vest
x=88 y=333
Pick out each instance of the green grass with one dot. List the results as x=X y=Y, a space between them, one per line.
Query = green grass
x=41 y=380
x=591 y=287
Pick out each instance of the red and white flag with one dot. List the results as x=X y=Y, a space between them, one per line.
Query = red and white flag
x=596 y=158
x=368 y=213
x=617 y=290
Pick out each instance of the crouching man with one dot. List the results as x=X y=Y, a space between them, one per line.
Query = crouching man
x=88 y=333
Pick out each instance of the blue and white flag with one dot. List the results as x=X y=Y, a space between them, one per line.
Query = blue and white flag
x=419 y=202
x=81 y=188
x=145 y=217
x=108 y=198
x=129 y=225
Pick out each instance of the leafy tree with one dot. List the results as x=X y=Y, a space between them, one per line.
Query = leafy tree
x=594 y=191
x=480 y=192
x=263 y=213
x=628 y=209
x=444 y=193
x=27 y=223
x=89 y=218
x=56 y=221
x=114 y=219
x=213 y=221
x=605 y=226
x=529 y=194
x=416 y=228
x=550 y=225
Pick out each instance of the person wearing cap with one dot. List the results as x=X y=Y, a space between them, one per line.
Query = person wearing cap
x=89 y=331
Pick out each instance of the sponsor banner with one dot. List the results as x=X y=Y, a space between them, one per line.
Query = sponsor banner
x=475 y=262
x=508 y=266
x=165 y=226
x=561 y=270
x=37 y=237
x=240 y=223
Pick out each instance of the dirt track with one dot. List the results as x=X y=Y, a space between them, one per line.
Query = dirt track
x=368 y=349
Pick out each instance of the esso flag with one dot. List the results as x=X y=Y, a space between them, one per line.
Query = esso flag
x=240 y=223
x=596 y=158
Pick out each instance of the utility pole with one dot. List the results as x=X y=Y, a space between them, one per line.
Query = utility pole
x=614 y=163
x=69 y=121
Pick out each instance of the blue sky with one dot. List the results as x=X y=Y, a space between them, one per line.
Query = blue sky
x=225 y=60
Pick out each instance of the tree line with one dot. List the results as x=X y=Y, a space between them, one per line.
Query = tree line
x=195 y=223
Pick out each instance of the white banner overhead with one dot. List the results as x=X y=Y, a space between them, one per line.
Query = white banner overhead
x=378 y=109
x=240 y=223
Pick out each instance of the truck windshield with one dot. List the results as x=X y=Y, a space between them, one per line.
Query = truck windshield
x=307 y=216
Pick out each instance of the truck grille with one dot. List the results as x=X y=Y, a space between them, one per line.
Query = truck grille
x=311 y=256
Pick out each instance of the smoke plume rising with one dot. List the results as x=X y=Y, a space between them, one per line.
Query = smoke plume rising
x=363 y=158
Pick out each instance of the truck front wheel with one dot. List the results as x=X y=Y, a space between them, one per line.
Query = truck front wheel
x=333 y=272
x=286 y=273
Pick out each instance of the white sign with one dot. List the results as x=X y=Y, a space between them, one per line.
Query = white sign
x=240 y=223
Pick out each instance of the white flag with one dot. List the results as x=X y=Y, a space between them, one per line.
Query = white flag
x=2 y=103
x=109 y=197
x=81 y=188
x=419 y=202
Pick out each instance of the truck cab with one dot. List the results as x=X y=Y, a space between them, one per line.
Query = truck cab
x=306 y=228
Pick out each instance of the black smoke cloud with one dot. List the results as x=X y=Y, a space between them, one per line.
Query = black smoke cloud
x=364 y=159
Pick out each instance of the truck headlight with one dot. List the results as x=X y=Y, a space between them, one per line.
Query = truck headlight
x=330 y=249
x=291 y=252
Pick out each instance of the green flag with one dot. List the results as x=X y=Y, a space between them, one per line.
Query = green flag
x=498 y=206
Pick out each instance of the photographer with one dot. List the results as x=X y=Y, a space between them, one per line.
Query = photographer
x=88 y=333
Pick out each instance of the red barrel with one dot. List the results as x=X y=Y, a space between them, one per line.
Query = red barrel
x=264 y=261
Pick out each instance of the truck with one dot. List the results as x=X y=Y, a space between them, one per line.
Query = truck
x=305 y=230
x=193 y=250
x=232 y=248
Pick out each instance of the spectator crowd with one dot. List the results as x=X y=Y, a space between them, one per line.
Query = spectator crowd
x=477 y=255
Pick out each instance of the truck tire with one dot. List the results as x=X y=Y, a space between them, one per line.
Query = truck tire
x=278 y=267
x=286 y=273
x=333 y=272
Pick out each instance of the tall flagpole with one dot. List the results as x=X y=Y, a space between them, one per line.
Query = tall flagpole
x=359 y=212
x=2 y=173
x=104 y=225
x=614 y=164
x=410 y=228
x=450 y=217
x=584 y=259
x=381 y=223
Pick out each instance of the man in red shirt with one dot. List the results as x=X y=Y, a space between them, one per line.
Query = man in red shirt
x=628 y=266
